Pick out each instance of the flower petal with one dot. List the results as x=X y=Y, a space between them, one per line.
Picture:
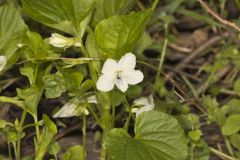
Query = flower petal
x=133 y=77
x=68 y=110
x=122 y=84
x=106 y=82
x=143 y=101
x=109 y=67
x=127 y=62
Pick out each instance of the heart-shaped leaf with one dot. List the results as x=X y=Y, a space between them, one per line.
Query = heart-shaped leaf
x=118 y=35
x=157 y=137
x=59 y=14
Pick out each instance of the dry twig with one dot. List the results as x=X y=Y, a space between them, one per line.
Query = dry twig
x=216 y=16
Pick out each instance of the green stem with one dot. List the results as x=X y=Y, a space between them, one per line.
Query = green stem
x=155 y=4
x=9 y=151
x=36 y=127
x=19 y=130
x=113 y=108
x=126 y=126
x=189 y=84
x=95 y=116
x=15 y=151
x=107 y=121
x=84 y=128
x=222 y=155
x=228 y=145
x=165 y=43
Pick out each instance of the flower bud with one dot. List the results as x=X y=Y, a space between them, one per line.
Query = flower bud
x=60 y=41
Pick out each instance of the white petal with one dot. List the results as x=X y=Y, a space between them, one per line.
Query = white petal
x=133 y=77
x=127 y=62
x=143 y=101
x=144 y=109
x=109 y=67
x=3 y=62
x=106 y=82
x=122 y=84
x=68 y=110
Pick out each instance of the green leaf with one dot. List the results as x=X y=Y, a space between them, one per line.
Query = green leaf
x=74 y=153
x=54 y=148
x=232 y=125
x=47 y=136
x=143 y=43
x=157 y=137
x=118 y=35
x=28 y=71
x=201 y=151
x=64 y=15
x=34 y=47
x=12 y=30
x=134 y=91
x=54 y=85
x=189 y=121
x=231 y=107
x=107 y=8
x=93 y=53
x=237 y=86
x=2 y=124
x=31 y=98
x=235 y=141
x=72 y=78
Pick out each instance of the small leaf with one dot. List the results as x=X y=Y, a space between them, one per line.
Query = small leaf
x=157 y=137
x=231 y=107
x=34 y=48
x=118 y=35
x=32 y=97
x=232 y=125
x=72 y=79
x=54 y=148
x=74 y=153
x=54 y=85
x=28 y=71
x=195 y=135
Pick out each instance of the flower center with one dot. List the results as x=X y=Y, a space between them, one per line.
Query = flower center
x=119 y=74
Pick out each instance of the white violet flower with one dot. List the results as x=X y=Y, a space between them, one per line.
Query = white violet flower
x=119 y=73
x=146 y=104
x=60 y=41
x=75 y=107
x=3 y=62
